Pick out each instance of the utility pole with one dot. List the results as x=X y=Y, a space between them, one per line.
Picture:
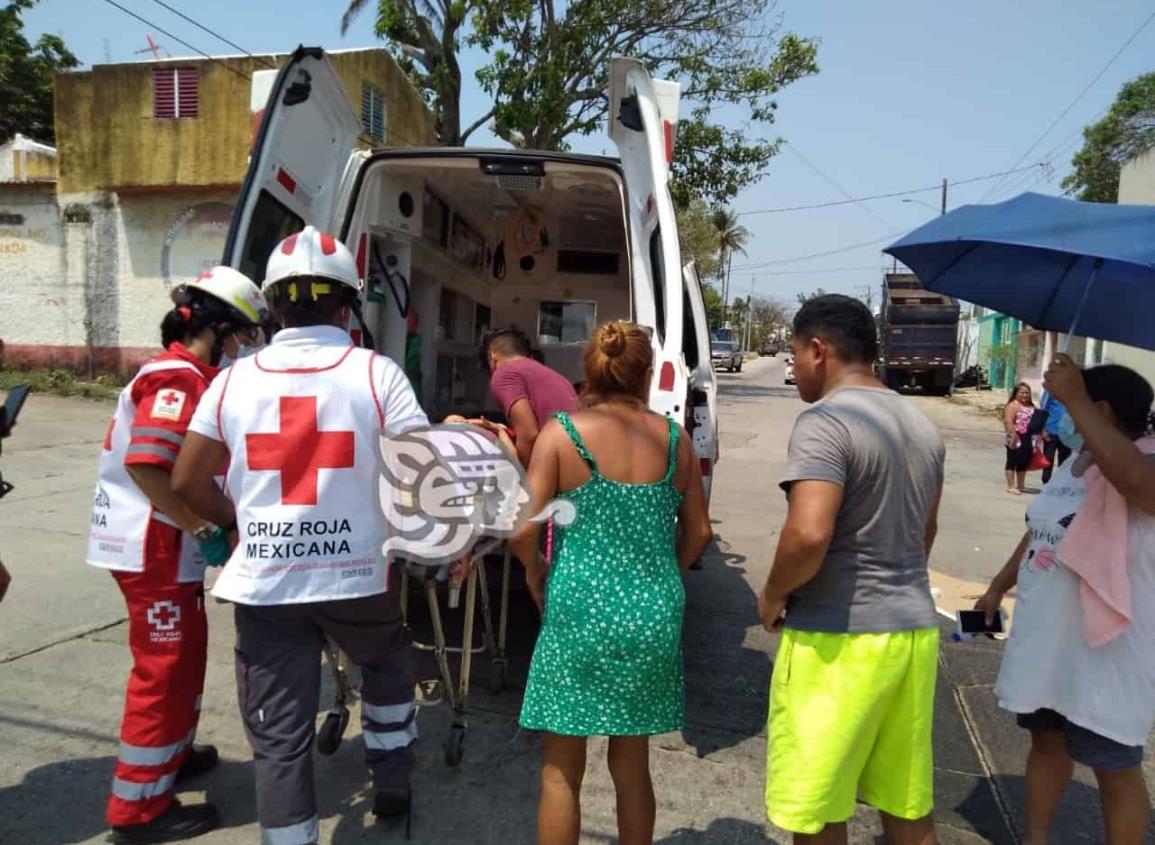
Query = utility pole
x=726 y=292
x=750 y=315
x=943 y=196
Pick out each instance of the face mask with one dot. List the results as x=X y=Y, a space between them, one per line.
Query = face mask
x=1068 y=436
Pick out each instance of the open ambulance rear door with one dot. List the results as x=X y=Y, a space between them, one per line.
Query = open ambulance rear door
x=302 y=163
x=642 y=120
x=702 y=416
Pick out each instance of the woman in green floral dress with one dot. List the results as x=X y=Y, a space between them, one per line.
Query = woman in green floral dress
x=608 y=661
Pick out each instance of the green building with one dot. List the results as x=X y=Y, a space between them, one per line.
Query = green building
x=999 y=347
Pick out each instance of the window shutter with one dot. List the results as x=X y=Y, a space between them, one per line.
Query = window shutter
x=372 y=114
x=188 y=92
x=163 y=93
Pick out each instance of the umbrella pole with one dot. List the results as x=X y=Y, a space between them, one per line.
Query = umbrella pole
x=1075 y=322
x=1082 y=304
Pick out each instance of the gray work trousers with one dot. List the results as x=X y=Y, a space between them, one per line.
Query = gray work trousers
x=278 y=665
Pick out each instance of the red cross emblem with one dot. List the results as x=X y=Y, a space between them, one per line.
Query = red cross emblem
x=170 y=399
x=163 y=615
x=300 y=450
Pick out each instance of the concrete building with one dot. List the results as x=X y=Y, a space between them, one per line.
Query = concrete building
x=150 y=156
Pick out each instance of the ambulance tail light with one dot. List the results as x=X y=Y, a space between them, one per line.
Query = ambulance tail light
x=707 y=467
x=666 y=377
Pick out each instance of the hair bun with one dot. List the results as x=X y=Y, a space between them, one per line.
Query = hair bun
x=613 y=340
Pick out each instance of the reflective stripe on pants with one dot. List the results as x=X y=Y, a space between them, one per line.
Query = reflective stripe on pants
x=278 y=665
x=168 y=636
x=301 y=833
x=390 y=740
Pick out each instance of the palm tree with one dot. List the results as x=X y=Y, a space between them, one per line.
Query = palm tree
x=732 y=238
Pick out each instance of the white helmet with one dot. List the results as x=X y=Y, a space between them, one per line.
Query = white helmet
x=242 y=298
x=311 y=254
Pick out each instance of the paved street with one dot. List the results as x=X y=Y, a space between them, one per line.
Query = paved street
x=64 y=664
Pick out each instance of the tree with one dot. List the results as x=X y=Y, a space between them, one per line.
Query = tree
x=731 y=238
x=803 y=298
x=549 y=60
x=549 y=72
x=713 y=302
x=769 y=313
x=1127 y=130
x=699 y=239
x=26 y=76
x=425 y=38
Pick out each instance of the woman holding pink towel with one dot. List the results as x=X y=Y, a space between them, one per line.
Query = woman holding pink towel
x=1079 y=667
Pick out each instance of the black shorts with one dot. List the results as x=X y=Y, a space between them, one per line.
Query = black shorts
x=1017 y=459
x=1083 y=745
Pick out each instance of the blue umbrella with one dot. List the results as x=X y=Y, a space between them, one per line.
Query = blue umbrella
x=1056 y=264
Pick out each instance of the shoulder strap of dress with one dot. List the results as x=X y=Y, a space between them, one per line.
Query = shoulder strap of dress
x=672 y=458
x=576 y=439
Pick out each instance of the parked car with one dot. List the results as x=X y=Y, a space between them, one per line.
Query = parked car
x=790 y=371
x=725 y=353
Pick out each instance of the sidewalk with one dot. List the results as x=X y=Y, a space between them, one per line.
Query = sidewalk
x=968 y=671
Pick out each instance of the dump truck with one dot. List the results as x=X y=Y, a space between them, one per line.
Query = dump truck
x=918 y=336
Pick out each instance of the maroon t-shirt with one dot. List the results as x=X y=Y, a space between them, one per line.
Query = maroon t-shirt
x=524 y=378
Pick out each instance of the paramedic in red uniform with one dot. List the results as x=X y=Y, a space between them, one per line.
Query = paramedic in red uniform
x=157 y=549
x=301 y=421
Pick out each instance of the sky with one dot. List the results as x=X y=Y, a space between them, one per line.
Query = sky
x=909 y=92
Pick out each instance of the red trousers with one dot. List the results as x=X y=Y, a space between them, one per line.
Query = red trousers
x=168 y=635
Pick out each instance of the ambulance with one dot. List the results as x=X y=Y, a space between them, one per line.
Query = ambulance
x=452 y=242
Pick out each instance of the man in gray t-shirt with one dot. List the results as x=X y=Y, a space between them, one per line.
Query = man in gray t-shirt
x=852 y=696
x=888 y=459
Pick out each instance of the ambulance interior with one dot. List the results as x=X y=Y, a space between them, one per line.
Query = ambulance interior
x=452 y=247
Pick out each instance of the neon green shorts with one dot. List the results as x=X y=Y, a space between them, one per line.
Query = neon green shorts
x=850 y=717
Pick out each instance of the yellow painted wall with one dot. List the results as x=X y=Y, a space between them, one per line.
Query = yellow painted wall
x=107 y=138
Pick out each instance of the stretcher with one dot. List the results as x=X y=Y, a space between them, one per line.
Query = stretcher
x=456 y=691
x=493 y=642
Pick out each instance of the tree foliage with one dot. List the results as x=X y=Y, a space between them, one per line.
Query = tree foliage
x=425 y=38
x=803 y=298
x=713 y=303
x=549 y=65
x=548 y=68
x=1127 y=130
x=26 y=71
x=699 y=239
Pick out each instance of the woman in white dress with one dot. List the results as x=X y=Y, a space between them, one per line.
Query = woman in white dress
x=1088 y=704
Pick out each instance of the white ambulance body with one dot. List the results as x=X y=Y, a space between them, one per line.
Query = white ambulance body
x=472 y=239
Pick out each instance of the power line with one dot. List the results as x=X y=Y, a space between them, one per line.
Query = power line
x=891 y=194
x=211 y=32
x=167 y=34
x=393 y=135
x=837 y=187
x=822 y=270
x=838 y=251
x=1080 y=96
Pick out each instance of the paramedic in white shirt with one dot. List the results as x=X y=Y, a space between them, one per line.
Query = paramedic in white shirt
x=300 y=420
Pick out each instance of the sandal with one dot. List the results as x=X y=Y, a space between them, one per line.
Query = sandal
x=1014 y=491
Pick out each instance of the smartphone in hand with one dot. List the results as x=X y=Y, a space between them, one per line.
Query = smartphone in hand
x=971 y=623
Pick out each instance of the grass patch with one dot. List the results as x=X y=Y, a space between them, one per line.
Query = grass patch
x=62 y=382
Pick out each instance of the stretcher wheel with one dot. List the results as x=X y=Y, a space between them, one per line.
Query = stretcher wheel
x=331 y=731
x=455 y=748
x=498 y=675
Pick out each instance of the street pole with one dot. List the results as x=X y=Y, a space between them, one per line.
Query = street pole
x=943 y=197
x=749 y=315
x=726 y=292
